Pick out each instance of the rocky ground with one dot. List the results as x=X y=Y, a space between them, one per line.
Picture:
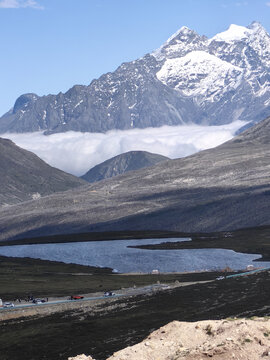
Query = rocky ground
x=218 y=339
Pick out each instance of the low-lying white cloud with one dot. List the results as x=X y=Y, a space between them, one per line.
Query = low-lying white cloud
x=77 y=152
x=16 y=4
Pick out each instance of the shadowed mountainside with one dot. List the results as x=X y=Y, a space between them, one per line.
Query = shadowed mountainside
x=24 y=176
x=120 y=164
x=218 y=189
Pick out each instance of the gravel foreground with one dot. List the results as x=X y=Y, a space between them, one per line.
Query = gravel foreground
x=218 y=339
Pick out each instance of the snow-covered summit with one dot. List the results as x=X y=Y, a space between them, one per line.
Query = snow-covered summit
x=256 y=25
x=254 y=35
x=180 y=43
x=208 y=69
x=184 y=31
x=200 y=74
x=227 y=45
x=246 y=47
x=234 y=33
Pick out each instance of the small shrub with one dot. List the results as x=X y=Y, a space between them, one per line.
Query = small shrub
x=209 y=330
x=221 y=344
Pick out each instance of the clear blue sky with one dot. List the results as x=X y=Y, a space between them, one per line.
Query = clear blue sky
x=49 y=45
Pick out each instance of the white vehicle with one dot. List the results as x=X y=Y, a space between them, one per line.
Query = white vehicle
x=220 y=278
x=8 y=305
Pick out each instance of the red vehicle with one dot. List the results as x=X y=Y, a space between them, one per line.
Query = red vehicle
x=76 y=297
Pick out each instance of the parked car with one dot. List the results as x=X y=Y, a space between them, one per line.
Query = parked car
x=220 y=278
x=38 y=301
x=109 y=293
x=8 y=305
x=76 y=297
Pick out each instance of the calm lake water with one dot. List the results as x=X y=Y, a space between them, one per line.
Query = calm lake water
x=116 y=255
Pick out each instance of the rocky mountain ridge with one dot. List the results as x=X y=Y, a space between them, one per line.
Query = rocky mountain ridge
x=120 y=164
x=190 y=79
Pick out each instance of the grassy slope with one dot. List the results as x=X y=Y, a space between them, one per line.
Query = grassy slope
x=20 y=277
x=250 y=241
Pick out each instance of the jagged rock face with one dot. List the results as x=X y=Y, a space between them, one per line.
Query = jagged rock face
x=190 y=79
x=132 y=160
x=131 y=97
x=24 y=176
x=224 y=188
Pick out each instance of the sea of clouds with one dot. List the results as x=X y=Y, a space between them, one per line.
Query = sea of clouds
x=77 y=152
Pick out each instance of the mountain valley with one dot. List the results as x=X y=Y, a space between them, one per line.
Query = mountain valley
x=153 y=240
x=224 y=188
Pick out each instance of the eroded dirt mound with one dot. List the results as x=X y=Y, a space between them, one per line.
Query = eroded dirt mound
x=81 y=357
x=220 y=340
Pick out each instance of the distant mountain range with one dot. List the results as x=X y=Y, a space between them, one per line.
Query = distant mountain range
x=189 y=79
x=120 y=164
x=224 y=188
x=24 y=176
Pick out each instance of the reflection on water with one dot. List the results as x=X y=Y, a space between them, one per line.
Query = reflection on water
x=116 y=255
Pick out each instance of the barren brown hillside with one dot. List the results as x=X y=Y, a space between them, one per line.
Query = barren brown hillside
x=219 y=340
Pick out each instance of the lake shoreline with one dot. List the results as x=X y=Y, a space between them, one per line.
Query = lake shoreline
x=95 y=236
x=130 y=256
x=249 y=241
x=20 y=277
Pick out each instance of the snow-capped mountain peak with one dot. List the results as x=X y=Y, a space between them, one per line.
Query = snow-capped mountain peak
x=180 y=43
x=208 y=69
x=189 y=79
x=256 y=26
x=246 y=47
x=183 y=32
x=209 y=75
x=234 y=33
x=260 y=41
x=254 y=35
